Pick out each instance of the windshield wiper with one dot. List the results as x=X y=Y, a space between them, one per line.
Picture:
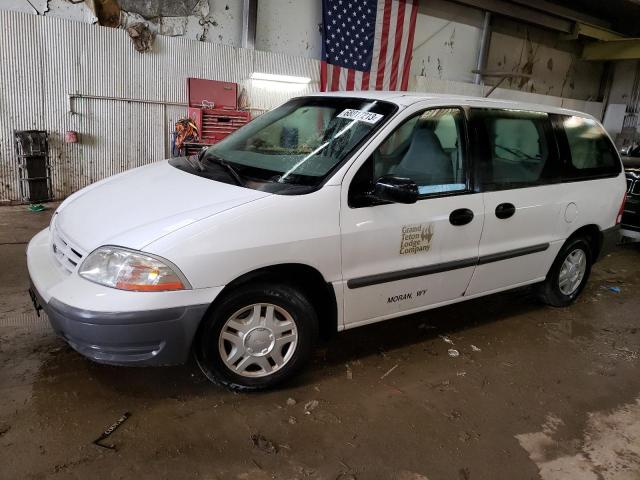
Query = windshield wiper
x=233 y=173
x=194 y=163
x=518 y=153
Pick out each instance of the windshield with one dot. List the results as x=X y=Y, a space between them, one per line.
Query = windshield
x=298 y=144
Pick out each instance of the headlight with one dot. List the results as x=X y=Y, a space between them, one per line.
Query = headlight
x=124 y=269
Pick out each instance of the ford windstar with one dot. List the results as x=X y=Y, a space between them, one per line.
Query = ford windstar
x=329 y=212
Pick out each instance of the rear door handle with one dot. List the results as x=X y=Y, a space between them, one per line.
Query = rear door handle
x=505 y=210
x=460 y=217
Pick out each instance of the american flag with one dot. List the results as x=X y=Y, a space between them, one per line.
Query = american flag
x=367 y=44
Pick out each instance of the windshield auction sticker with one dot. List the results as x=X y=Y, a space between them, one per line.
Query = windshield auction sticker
x=360 y=116
x=416 y=238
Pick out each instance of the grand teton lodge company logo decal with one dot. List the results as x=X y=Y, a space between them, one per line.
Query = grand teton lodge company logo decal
x=416 y=238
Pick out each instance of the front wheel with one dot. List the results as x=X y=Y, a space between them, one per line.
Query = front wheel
x=257 y=337
x=568 y=274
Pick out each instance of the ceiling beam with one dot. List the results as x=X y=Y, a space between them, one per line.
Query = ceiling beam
x=627 y=49
x=591 y=31
x=549 y=15
x=564 y=12
x=522 y=13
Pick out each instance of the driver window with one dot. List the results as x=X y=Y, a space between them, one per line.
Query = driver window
x=426 y=148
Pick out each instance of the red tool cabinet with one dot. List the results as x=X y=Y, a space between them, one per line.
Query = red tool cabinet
x=213 y=106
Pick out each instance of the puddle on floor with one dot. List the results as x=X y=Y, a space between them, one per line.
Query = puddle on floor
x=608 y=450
x=569 y=329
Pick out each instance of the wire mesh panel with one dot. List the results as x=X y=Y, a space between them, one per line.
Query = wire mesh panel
x=34 y=169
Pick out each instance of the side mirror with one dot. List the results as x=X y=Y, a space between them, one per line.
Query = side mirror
x=396 y=189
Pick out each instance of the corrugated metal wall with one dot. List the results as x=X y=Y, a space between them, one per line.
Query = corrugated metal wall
x=45 y=59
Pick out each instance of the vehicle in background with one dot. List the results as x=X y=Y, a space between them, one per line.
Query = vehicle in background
x=631 y=217
x=630 y=151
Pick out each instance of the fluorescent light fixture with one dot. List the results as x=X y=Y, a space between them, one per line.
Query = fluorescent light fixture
x=279 y=78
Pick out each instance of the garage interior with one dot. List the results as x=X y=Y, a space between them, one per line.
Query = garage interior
x=93 y=88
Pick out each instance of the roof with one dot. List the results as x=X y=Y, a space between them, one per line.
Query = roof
x=406 y=99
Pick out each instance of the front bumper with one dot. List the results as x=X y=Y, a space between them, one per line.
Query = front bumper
x=152 y=337
x=113 y=326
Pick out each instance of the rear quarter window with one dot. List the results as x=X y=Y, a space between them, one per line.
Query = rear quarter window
x=590 y=151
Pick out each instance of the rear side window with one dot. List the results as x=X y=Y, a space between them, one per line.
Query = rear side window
x=518 y=149
x=591 y=152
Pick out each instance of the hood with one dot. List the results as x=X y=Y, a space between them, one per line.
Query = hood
x=135 y=208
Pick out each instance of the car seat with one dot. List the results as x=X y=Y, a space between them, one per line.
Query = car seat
x=425 y=162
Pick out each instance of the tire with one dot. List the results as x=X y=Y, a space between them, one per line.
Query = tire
x=255 y=327
x=550 y=291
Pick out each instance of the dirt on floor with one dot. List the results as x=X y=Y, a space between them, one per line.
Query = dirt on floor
x=535 y=392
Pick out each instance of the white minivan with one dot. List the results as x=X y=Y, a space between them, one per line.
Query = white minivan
x=330 y=212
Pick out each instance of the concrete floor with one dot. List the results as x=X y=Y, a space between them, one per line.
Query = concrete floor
x=535 y=393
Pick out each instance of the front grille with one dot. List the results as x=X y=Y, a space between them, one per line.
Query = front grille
x=63 y=250
x=633 y=183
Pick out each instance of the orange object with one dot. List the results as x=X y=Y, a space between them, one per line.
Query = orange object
x=150 y=288
x=186 y=130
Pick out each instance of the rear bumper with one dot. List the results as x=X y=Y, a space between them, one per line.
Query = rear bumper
x=610 y=240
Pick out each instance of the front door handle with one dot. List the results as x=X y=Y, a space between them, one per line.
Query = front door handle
x=460 y=217
x=505 y=210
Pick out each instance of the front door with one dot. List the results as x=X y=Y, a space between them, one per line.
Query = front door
x=399 y=258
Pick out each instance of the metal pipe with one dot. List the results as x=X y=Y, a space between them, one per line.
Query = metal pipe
x=484 y=47
x=249 y=21
x=605 y=88
x=165 y=141
x=502 y=76
x=71 y=96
